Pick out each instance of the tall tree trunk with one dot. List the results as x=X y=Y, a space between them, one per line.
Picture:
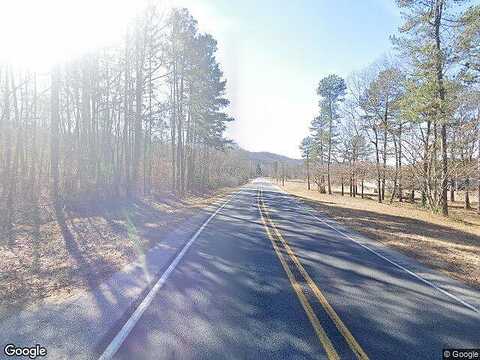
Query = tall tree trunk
x=452 y=190
x=137 y=142
x=330 y=136
x=33 y=165
x=385 y=141
x=173 y=126
x=354 y=184
x=467 y=193
x=308 y=171
x=439 y=4
x=478 y=172
x=395 y=178
x=400 y=155
x=54 y=134
x=377 y=158
x=8 y=154
x=12 y=191
x=180 y=144
x=426 y=175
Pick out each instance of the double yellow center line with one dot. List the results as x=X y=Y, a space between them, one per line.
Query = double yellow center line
x=278 y=241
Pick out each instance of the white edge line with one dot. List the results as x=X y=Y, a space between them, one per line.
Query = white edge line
x=118 y=340
x=445 y=292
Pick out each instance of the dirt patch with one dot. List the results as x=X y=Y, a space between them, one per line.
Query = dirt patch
x=80 y=246
x=451 y=245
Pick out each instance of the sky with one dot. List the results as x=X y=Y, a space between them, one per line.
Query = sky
x=37 y=33
x=272 y=52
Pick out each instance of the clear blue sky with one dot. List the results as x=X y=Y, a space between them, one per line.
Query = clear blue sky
x=275 y=52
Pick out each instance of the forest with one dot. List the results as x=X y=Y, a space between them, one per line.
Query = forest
x=141 y=117
x=406 y=127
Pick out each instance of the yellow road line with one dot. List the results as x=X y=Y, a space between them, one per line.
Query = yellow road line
x=352 y=343
x=320 y=332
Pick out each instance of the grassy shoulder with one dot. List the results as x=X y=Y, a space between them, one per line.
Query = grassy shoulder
x=451 y=245
x=59 y=254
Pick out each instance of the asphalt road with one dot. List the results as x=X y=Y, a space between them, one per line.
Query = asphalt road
x=265 y=279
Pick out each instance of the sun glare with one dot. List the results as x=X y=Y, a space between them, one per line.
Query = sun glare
x=36 y=34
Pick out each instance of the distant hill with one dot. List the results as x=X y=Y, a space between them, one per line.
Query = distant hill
x=264 y=162
x=265 y=157
x=268 y=157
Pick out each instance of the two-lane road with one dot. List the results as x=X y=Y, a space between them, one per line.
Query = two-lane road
x=267 y=279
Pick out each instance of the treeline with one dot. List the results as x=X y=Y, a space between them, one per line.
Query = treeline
x=124 y=121
x=411 y=123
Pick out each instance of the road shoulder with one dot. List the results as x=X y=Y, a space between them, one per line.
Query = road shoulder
x=397 y=258
x=86 y=319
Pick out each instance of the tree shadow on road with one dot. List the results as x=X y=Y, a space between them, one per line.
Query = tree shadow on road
x=450 y=250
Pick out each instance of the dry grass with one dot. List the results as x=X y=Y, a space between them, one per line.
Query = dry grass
x=77 y=248
x=451 y=245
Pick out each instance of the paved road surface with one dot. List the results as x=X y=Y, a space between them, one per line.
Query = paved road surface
x=265 y=279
